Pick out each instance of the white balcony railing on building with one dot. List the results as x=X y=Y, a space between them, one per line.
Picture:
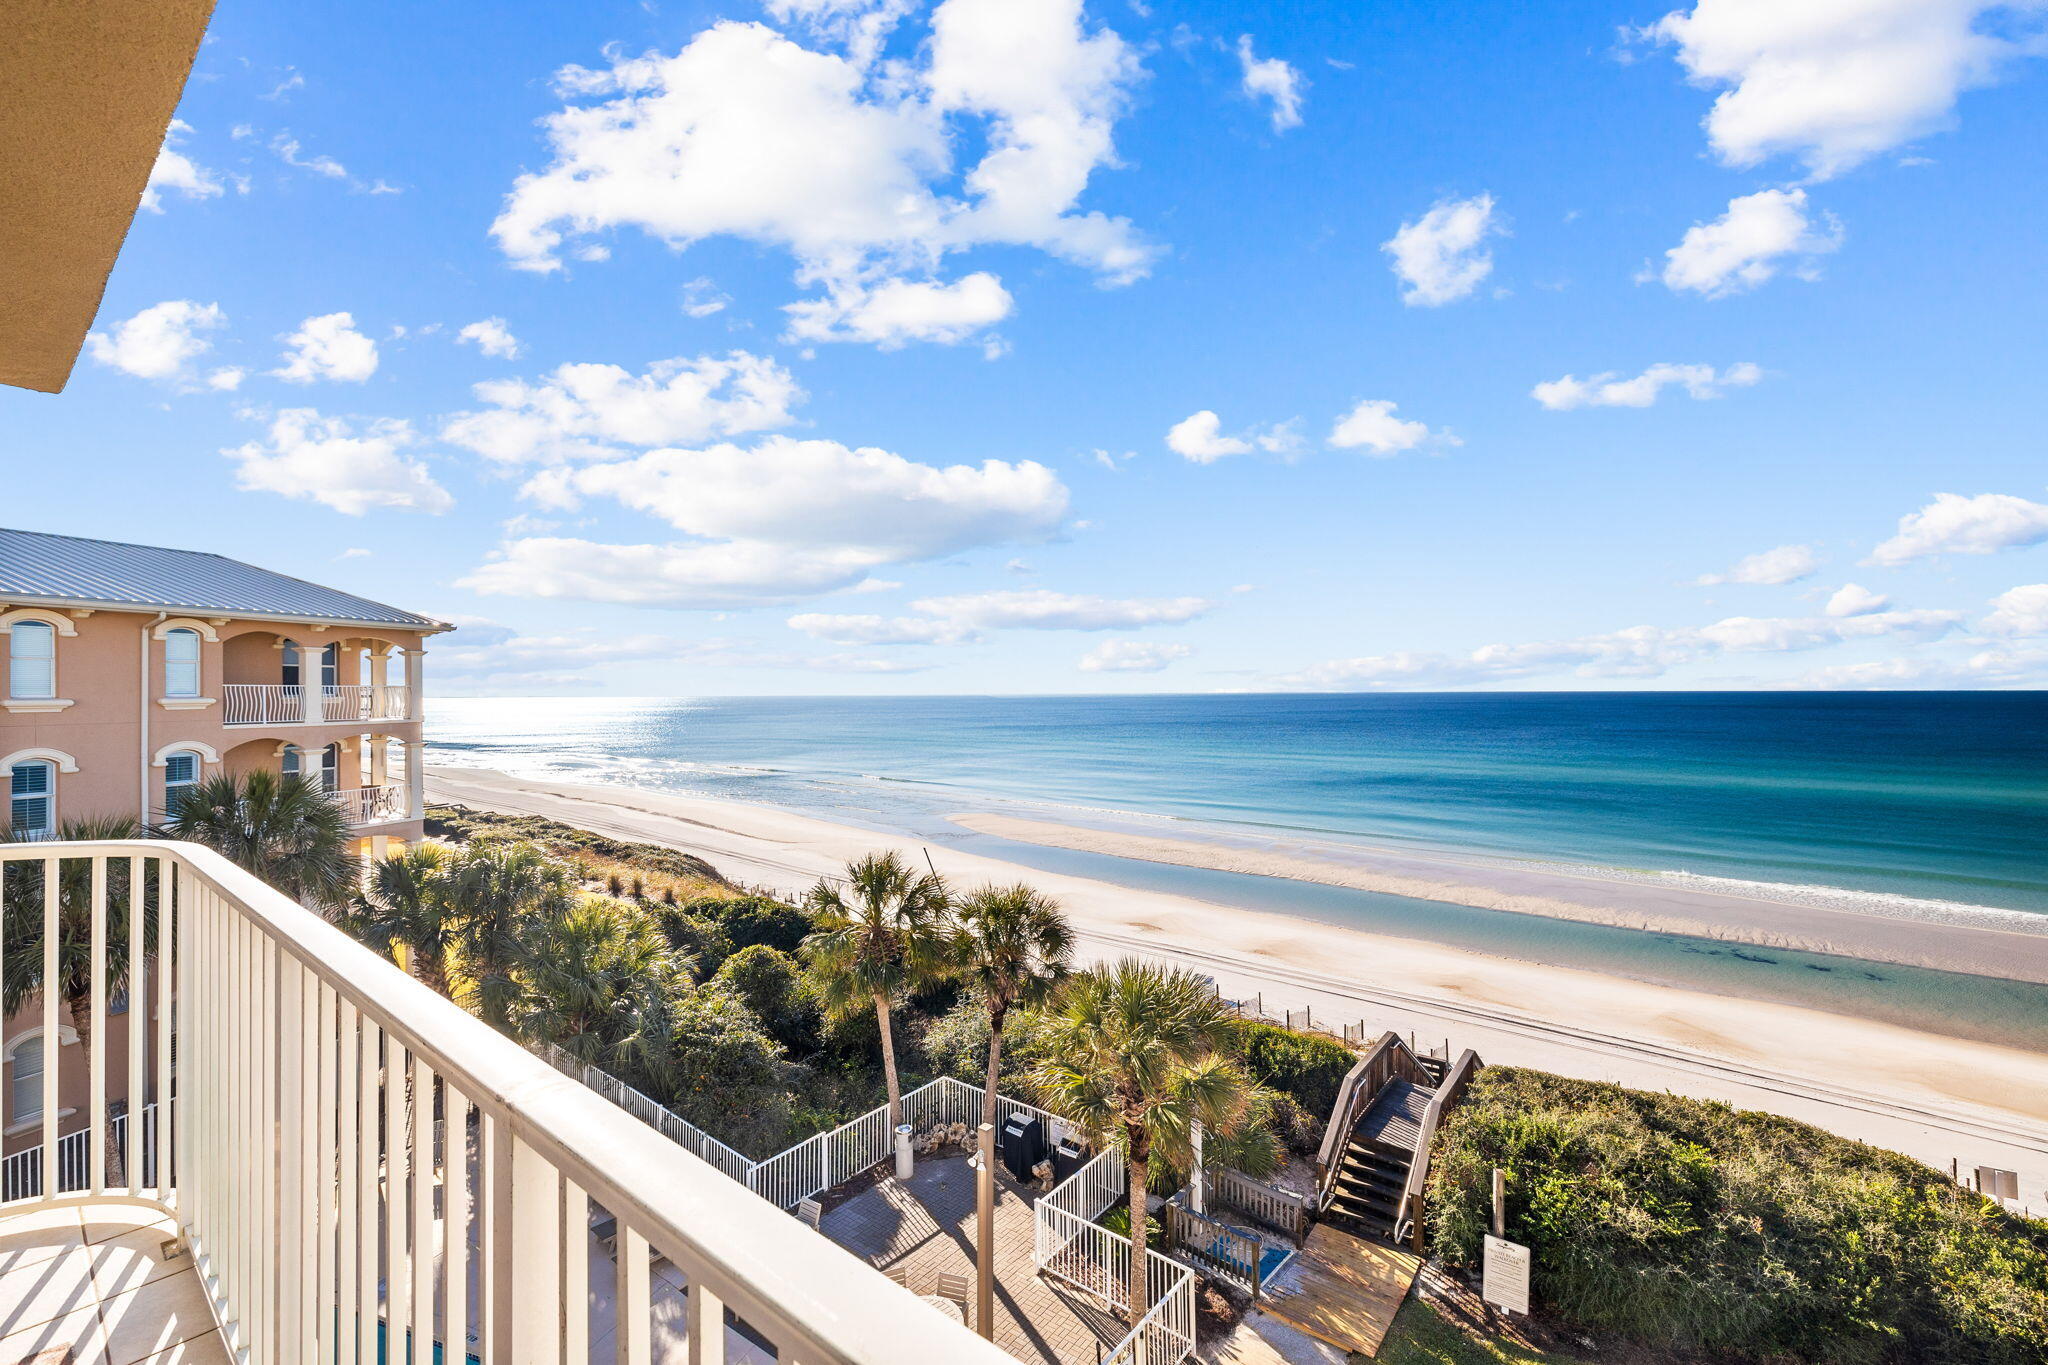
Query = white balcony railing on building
x=372 y=805
x=350 y=1155
x=276 y=704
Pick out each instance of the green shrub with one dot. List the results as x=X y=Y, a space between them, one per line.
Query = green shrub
x=748 y=920
x=1305 y=1066
x=699 y=937
x=773 y=987
x=725 y=1074
x=1693 y=1226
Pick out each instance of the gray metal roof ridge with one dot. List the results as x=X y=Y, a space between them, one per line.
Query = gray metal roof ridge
x=55 y=569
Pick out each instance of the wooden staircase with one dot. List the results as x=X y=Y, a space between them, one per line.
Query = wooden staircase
x=1373 y=1175
x=1375 y=1154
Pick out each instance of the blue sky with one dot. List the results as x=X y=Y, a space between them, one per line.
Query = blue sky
x=1001 y=345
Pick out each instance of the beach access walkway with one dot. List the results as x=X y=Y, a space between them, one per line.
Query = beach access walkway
x=1342 y=1289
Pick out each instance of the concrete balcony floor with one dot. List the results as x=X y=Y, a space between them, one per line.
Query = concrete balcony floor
x=94 y=1286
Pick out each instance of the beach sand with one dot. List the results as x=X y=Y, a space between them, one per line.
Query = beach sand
x=1630 y=904
x=1936 y=1098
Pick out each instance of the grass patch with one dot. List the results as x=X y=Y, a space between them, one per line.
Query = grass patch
x=1423 y=1336
x=616 y=866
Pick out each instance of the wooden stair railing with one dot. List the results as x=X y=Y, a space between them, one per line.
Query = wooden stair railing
x=1409 y=1228
x=1389 y=1059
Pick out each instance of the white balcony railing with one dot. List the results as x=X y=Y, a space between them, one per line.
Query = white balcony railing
x=276 y=704
x=350 y=1155
x=372 y=805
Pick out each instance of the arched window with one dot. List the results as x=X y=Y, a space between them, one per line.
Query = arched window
x=181 y=663
x=32 y=791
x=181 y=775
x=25 y=1080
x=32 y=660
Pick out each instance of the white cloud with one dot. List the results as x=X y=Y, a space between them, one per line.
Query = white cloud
x=882 y=630
x=292 y=154
x=1749 y=243
x=1853 y=599
x=1834 y=83
x=1131 y=656
x=1042 y=609
x=782 y=520
x=1200 y=438
x=173 y=170
x=1441 y=257
x=1273 y=81
x=1610 y=390
x=701 y=298
x=492 y=337
x=822 y=493
x=1373 y=426
x=160 y=342
x=594 y=412
x=1786 y=564
x=1988 y=668
x=689 y=576
x=485 y=658
x=328 y=347
x=326 y=460
x=1637 y=652
x=2019 y=611
x=962 y=618
x=1956 y=525
x=746 y=133
x=226 y=379
x=354 y=552
x=896 y=312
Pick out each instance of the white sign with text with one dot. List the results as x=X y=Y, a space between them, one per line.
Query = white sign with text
x=1506 y=1283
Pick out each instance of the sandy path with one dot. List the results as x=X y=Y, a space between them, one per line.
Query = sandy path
x=1674 y=909
x=1934 y=1097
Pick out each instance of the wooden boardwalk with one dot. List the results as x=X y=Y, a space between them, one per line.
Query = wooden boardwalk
x=1342 y=1289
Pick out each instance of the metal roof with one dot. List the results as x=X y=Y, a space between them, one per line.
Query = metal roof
x=71 y=570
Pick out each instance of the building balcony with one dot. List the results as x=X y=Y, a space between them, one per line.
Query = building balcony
x=277 y=704
x=373 y=805
x=343 y=1165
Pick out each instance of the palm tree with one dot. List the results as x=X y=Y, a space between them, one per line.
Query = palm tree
x=408 y=903
x=592 y=976
x=1015 y=945
x=502 y=887
x=882 y=933
x=1135 y=1054
x=285 y=830
x=21 y=979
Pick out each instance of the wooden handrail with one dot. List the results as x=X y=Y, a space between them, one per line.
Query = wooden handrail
x=1390 y=1058
x=1418 y=1170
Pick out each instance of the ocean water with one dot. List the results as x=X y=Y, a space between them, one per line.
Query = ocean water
x=1925 y=805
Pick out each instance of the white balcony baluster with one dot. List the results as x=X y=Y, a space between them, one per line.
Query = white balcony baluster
x=372 y=805
x=301 y=1164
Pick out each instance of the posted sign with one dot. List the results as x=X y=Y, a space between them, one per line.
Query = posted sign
x=1506 y=1283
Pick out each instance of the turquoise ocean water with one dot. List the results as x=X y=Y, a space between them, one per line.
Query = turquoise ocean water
x=1927 y=805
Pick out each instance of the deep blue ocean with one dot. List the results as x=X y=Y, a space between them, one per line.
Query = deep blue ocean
x=1922 y=804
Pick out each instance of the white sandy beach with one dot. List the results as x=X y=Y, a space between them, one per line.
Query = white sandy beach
x=1629 y=904
x=1937 y=1098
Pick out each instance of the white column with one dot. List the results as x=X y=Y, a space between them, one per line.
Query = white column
x=415 y=680
x=310 y=691
x=380 y=678
x=380 y=769
x=415 y=780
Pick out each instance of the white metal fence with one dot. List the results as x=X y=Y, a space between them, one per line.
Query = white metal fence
x=1071 y=1246
x=372 y=805
x=277 y=704
x=359 y=1167
x=21 y=1174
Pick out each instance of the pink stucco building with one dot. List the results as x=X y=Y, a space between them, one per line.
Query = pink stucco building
x=128 y=672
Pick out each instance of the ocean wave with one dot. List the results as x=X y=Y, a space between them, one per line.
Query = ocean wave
x=1886 y=904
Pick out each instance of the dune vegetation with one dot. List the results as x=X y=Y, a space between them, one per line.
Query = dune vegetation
x=1689 y=1225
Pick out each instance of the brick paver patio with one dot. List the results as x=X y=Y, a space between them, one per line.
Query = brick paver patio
x=926 y=1225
